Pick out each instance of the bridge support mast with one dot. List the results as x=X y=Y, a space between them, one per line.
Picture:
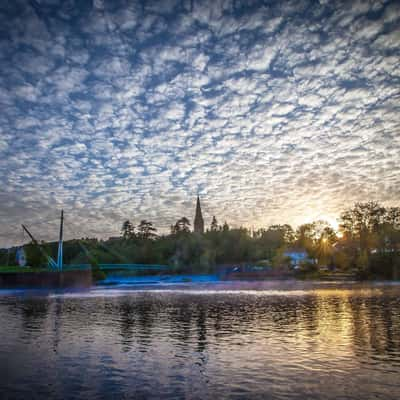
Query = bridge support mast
x=60 y=243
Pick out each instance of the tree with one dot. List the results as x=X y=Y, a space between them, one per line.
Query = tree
x=317 y=238
x=35 y=254
x=181 y=226
x=285 y=232
x=146 y=230
x=392 y=217
x=235 y=245
x=305 y=236
x=361 y=225
x=127 y=230
x=280 y=234
x=273 y=238
x=371 y=238
x=214 y=225
x=361 y=221
x=370 y=243
x=385 y=257
x=389 y=235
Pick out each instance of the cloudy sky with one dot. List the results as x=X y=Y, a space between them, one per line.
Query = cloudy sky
x=283 y=111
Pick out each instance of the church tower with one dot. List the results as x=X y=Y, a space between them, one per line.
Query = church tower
x=198 y=219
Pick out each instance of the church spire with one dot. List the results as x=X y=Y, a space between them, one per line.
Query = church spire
x=198 y=219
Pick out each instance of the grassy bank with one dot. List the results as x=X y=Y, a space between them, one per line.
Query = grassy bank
x=326 y=276
x=12 y=269
x=4 y=269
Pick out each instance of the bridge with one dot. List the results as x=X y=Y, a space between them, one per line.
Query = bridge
x=118 y=267
x=60 y=266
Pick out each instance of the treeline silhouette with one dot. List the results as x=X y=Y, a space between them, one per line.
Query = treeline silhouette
x=368 y=243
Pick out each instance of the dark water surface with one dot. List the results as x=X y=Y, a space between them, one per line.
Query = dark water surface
x=267 y=342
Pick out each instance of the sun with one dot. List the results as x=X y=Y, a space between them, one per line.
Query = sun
x=333 y=222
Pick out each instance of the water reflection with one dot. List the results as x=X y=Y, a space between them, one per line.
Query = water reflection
x=33 y=316
x=320 y=343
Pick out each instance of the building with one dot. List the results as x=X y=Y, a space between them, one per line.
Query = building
x=297 y=256
x=198 y=219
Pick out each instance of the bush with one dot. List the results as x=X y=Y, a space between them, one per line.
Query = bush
x=34 y=256
x=98 y=274
x=307 y=266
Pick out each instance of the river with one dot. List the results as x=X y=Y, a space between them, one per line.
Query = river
x=198 y=341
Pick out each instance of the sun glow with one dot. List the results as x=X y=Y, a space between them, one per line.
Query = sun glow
x=333 y=222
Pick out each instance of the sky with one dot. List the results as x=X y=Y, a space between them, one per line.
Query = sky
x=272 y=112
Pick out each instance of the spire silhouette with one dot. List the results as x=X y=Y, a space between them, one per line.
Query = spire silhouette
x=198 y=219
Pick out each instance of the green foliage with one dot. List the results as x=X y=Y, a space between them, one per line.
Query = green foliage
x=8 y=256
x=16 y=268
x=98 y=275
x=307 y=267
x=371 y=239
x=362 y=261
x=270 y=242
x=279 y=260
x=317 y=238
x=369 y=243
x=342 y=260
x=384 y=265
x=35 y=257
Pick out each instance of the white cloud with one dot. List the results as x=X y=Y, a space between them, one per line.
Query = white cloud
x=274 y=114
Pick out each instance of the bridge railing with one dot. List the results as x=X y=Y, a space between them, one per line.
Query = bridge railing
x=110 y=267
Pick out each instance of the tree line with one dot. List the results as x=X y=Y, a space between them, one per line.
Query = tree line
x=367 y=242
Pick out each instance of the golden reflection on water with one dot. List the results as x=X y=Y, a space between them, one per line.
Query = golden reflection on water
x=322 y=342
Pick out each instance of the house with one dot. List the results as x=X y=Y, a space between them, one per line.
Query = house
x=297 y=256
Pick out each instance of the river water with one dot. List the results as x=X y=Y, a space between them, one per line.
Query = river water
x=239 y=341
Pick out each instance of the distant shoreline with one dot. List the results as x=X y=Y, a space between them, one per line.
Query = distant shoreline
x=272 y=287
x=41 y=278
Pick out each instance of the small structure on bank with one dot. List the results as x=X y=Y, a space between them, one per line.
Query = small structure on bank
x=297 y=256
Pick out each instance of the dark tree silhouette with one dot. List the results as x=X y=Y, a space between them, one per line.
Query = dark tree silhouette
x=214 y=225
x=181 y=226
x=146 y=230
x=127 y=230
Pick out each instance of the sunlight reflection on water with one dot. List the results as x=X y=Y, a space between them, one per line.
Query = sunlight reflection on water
x=281 y=340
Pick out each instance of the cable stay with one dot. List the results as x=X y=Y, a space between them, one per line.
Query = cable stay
x=93 y=262
x=49 y=259
x=102 y=245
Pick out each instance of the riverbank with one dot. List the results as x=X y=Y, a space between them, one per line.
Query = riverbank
x=16 y=277
x=215 y=282
x=45 y=279
x=271 y=287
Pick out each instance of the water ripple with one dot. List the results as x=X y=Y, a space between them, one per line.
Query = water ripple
x=320 y=341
